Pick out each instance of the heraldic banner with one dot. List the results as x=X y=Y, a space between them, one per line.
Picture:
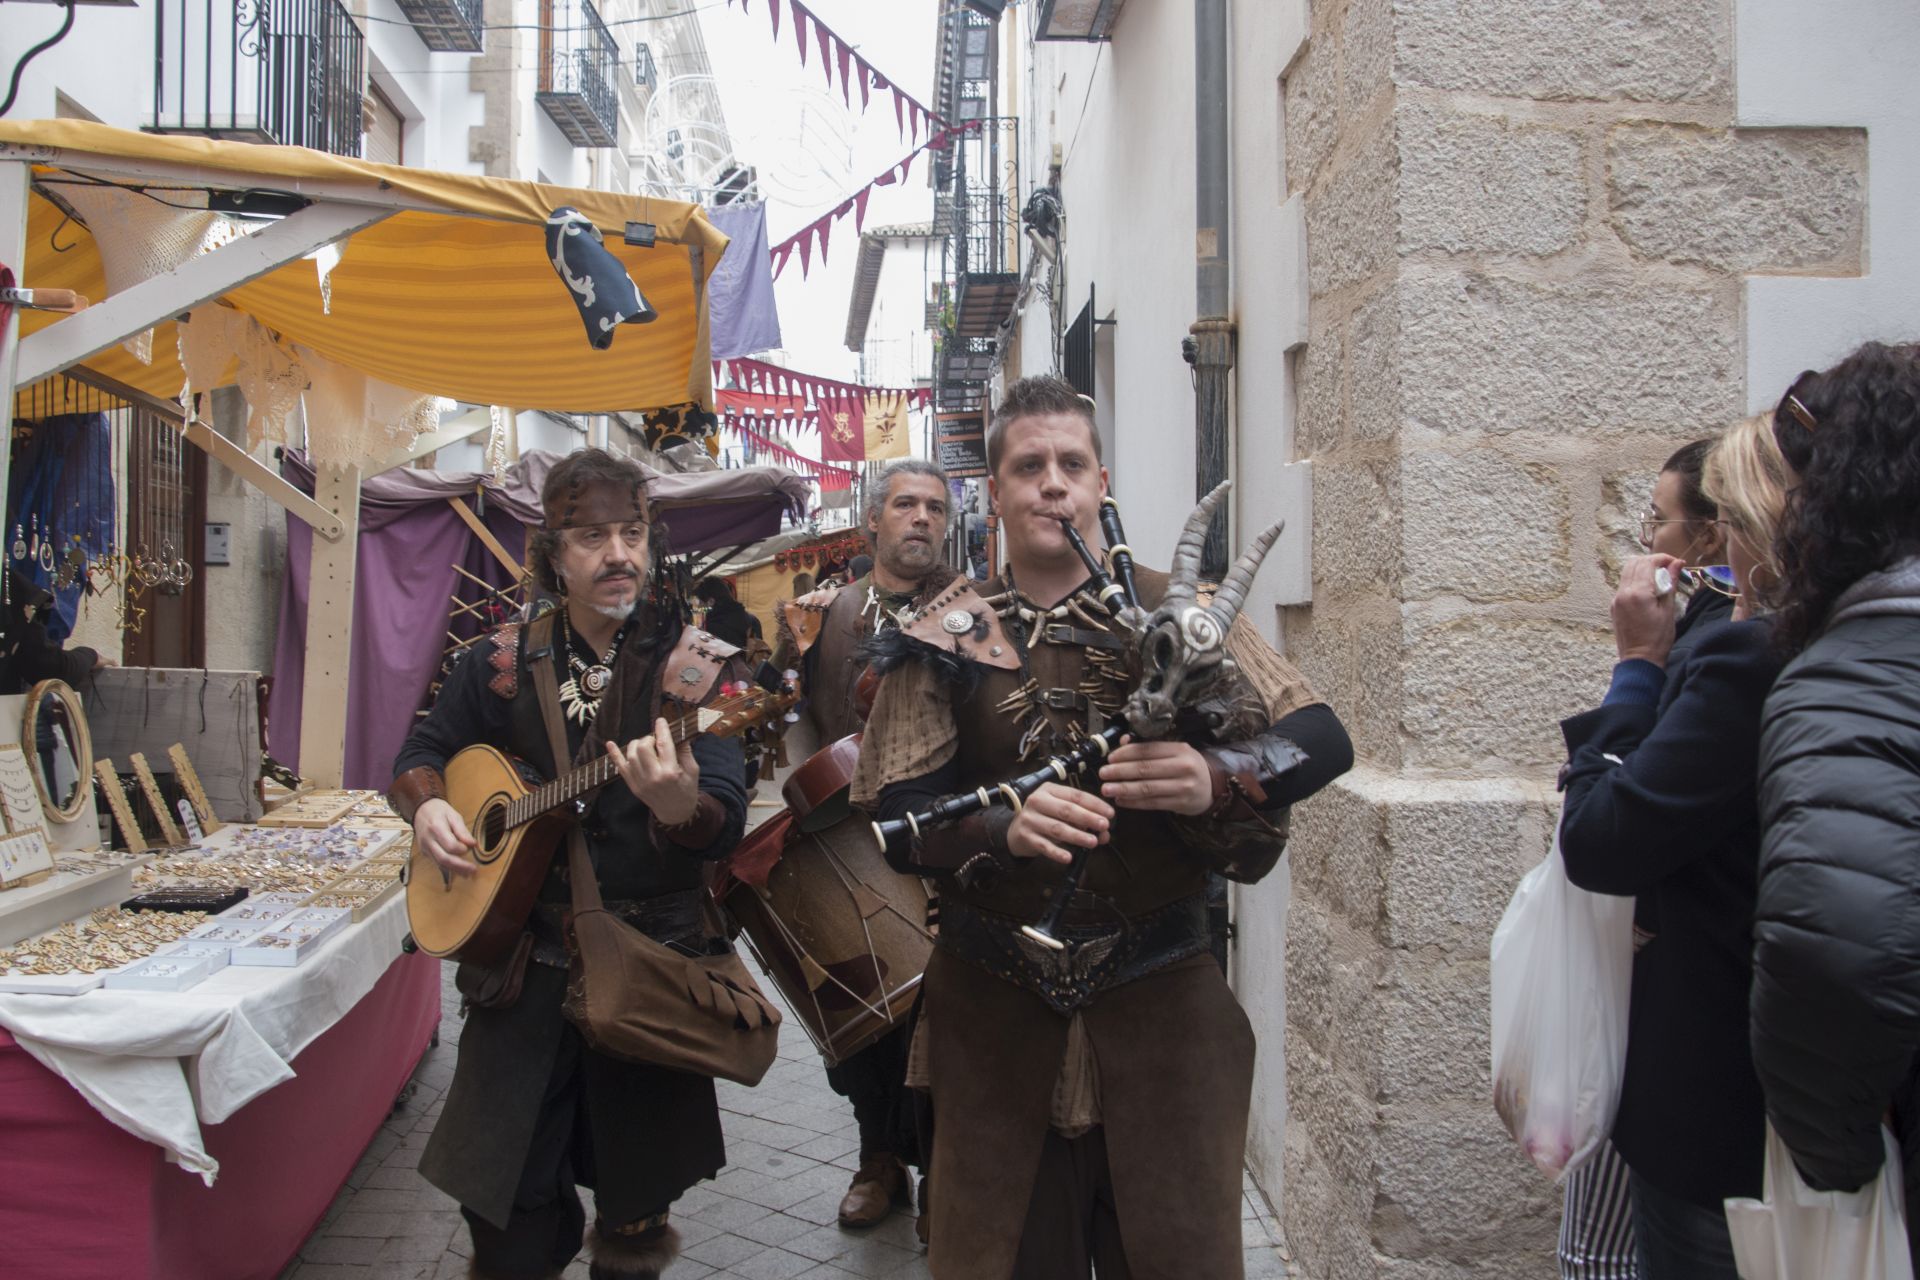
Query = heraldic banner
x=843 y=431
x=887 y=425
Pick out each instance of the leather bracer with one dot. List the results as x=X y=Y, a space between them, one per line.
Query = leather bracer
x=414 y=788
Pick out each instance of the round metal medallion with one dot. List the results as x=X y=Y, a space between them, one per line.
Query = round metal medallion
x=690 y=675
x=959 y=622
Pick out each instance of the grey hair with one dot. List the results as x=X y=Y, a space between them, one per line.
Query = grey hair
x=882 y=485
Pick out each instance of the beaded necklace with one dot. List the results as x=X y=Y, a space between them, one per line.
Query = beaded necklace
x=586 y=683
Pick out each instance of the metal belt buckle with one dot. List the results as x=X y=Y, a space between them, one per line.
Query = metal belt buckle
x=1062 y=699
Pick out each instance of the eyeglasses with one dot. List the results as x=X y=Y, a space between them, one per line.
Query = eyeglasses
x=1714 y=577
x=1651 y=522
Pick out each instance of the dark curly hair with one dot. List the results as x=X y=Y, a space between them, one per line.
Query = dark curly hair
x=1856 y=507
x=573 y=473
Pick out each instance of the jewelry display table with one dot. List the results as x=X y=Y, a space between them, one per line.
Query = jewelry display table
x=200 y=1135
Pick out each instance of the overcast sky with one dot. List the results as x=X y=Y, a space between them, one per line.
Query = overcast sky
x=782 y=123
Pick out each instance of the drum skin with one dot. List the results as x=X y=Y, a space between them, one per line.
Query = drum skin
x=842 y=934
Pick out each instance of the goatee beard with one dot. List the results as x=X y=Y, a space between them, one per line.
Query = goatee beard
x=618 y=612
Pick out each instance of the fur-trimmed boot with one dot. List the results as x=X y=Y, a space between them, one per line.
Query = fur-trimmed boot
x=641 y=1255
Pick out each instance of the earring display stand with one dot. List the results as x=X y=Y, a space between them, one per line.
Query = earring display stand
x=150 y=787
x=121 y=807
x=189 y=779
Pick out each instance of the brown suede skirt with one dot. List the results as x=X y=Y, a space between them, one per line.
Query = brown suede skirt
x=1174 y=1053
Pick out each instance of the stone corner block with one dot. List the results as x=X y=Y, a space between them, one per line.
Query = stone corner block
x=1353 y=213
x=1464 y=513
x=1677 y=51
x=1490 y=692
x=1741 y=200
x=1481 y=182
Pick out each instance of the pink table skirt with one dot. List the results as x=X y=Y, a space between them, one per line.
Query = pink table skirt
x=81 y=1199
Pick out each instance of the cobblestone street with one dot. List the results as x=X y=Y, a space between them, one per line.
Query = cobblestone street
x=791 y=1147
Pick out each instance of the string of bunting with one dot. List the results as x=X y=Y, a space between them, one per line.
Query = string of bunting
x=856 y=204
x=769 y=389
x=830 y=477
x=908 y=111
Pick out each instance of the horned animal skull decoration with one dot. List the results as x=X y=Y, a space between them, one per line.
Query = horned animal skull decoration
x=1182 y=645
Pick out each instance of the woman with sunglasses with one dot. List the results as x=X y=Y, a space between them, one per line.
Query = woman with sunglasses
x=1661 y=806
x=1836 y=986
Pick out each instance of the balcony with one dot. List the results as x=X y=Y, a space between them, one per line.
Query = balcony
x=578 y=61
x=285 y=71
x=447 y=26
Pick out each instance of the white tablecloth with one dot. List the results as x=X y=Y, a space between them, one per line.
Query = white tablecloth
x=159 y=1063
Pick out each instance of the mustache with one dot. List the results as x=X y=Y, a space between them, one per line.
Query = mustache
x=613 y=574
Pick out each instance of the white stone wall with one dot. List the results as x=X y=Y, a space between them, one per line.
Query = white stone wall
x=1530 y=229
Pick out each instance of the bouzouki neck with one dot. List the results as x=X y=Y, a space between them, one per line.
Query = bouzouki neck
x=722 y=717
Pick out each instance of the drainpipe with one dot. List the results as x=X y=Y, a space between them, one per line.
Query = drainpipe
x=1209 y=346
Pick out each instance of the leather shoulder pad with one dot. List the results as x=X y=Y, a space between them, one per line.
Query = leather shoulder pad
x=503 y=655
x=958 y=620
x=694 y=665
x=806 y=616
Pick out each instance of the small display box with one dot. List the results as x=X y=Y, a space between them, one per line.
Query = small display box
x=292 y=939
x=161 y=973
x=214 y=953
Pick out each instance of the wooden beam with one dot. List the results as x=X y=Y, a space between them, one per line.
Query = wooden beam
x=197 y=280
x=323 y=688
x=486 y=537
x=14 y=186
x=230 y=455
x=430 y=442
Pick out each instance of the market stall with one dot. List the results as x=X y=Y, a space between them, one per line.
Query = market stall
x=205 y=1010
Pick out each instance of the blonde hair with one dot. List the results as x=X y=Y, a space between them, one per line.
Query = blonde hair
x=1746 y=478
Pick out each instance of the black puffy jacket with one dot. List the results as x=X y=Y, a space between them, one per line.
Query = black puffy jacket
x=1836 y=985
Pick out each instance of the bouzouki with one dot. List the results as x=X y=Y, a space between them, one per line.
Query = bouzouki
x=517 y=826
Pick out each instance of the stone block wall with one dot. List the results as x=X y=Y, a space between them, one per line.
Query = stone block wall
x=1528 y=225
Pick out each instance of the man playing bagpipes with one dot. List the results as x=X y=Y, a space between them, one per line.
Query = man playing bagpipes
x=1090 y=1070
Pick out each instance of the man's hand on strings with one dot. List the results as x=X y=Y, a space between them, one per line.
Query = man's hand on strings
x=664 y=777
x=439 y=829
x=1169 y=776
x=1056 y=820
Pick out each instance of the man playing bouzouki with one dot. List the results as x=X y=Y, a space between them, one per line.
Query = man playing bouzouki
x=533 y=1111
x=906 y=517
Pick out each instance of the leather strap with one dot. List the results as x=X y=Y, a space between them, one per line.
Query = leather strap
x=1061 y=633
x=586 y=889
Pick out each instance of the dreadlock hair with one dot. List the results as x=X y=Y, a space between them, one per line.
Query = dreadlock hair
x=1856 y=508
x=572 y=475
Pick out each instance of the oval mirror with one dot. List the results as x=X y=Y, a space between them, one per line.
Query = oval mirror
x=53 y=732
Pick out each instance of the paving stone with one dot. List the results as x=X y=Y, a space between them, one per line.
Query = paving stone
x=349 y=1249
x=772 y=1264
x=327 y=1271
x=724 y=1250
x=361 y=1223
x=775 y=1229
x=729 y=1214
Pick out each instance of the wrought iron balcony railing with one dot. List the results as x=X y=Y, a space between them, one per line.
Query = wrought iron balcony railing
x=447 y=26
x=578 y=62
x=286 y=71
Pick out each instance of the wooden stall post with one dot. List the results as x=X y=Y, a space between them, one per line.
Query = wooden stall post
x=323 y=692
x=14 y=185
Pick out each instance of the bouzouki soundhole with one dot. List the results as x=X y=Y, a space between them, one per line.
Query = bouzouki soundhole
x=490 y=830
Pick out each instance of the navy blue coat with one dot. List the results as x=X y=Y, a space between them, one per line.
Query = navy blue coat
x=1661 y=804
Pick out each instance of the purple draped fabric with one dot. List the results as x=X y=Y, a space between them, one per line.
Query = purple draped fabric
x=741 y=315
x=404 y=582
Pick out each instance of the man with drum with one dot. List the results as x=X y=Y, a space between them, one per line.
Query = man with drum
x=1092 y=1102
x=533 y=1110
x=906 y=518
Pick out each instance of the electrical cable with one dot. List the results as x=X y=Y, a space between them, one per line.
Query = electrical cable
x=20 y=67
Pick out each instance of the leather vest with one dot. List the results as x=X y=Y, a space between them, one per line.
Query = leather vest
x=1146 y=864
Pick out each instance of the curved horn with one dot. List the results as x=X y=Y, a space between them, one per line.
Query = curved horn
x=1185 y=571
x=1232 y=594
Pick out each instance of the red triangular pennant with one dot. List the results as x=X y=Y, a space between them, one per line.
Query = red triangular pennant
x=846 y=83
x=826 y=39
x=899 y=102
x=826 y=225
x=866 y=81
x=913 y=118
x=800 y=38
x=860 y=209
x=773 y=12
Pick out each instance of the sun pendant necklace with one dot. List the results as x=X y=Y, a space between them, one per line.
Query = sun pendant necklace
x=586 y=684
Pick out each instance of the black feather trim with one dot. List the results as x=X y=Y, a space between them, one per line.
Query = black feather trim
x=893 y=648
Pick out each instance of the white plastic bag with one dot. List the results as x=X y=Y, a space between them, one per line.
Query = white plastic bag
x=1562 y=970
x=1796 y=1233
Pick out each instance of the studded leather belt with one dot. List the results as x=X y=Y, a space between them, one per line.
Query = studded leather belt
x=1097 y=958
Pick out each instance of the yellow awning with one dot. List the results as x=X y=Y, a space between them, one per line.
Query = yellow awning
x=458 y=299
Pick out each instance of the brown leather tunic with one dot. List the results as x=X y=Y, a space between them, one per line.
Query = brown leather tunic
x=1173 y=1050
x=833 y=673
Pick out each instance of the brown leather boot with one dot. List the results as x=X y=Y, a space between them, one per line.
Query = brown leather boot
x=880 y=1185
